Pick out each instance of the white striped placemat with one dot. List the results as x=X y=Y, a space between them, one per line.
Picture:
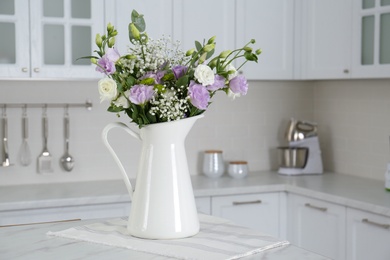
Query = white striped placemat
x=218 y=239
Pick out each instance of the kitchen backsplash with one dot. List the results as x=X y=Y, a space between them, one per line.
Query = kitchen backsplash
x=353 y=119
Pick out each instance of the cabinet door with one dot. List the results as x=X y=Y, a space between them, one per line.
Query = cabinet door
x=15 y=39
x=157 y=15
x=202 y=19
x=326 y=39
x=256 y=211
x=61 y=32
x=203 y=205
x=271 y=24
x=317 y=226
x=368 y=236
x=371 y=39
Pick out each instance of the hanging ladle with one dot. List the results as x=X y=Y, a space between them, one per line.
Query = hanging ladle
x=66 y=160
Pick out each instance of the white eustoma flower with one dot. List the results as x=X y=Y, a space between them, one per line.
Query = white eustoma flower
x=204 y=75
x=230 y=67
x=107 y=89
x=233 y=95
x=122 y=101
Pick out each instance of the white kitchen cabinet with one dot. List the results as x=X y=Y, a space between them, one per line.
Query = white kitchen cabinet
x=326 y=39
x=157 y=15
x=271 y=24
x=14 y=44
x=371 y=39
x=45 y=38
x=202 y=19
x=203 y=205
x=316 y=225
x=368 y=235
x=257 y=211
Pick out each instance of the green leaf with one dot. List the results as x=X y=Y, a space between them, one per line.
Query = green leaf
x=130 y=81
x=152 y=119
x=148 y=81
x=198 y=46
x=210 y=54
x=183 y=81
x=250 y=56
x=138 y=20
x=168 y=77
x=114 y=109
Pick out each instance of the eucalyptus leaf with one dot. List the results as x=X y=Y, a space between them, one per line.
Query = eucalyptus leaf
x=198 y=46
x=138 y=20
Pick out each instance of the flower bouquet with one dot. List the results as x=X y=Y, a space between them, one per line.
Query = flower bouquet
x=155 y=81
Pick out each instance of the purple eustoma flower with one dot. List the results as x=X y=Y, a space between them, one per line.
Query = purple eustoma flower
x=179 y=71
x=238 y=85
x=199 y=95
x=219 y=82
x=156 y=76
x=140 y=94
x=106 y=64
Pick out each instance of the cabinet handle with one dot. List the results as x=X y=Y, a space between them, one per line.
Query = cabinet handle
x=36 y=70
x=315 y=207
x=346 y=71
x=385 y=226
x=247 y=202
x=24 y=69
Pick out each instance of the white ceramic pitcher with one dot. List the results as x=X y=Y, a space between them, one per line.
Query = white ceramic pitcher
x=163 y=203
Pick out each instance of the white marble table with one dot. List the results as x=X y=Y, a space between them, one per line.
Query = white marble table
x=31 y=242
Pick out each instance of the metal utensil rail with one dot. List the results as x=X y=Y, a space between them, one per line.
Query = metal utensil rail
x=5 y=162
x=87 y=105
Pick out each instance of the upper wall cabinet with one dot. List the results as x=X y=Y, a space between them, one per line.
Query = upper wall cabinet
x=271 y=24
x=345 y=39
x=157 y=15
x=326 y=39
x=202 y=19
x=371 y=39
x=44 y=38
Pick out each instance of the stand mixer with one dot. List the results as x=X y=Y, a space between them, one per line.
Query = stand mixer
x=303 y=154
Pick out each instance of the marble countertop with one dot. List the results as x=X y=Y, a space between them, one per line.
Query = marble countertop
x=31 y=242
x=359 y=193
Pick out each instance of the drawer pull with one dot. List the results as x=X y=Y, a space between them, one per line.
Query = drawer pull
x=246 y=202
x=316 y=207
x=385 y=226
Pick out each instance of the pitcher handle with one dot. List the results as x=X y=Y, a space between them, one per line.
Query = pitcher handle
x=118 y=162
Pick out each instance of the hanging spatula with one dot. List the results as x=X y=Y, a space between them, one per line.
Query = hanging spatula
x=45 y=164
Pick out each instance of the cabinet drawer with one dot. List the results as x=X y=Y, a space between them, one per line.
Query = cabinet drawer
x=256 y=211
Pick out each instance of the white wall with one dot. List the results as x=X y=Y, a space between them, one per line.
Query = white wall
x=353 y=118
x=249 y=128
x=354 y=125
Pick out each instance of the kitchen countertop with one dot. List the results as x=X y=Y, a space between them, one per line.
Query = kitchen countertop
x=355 y=192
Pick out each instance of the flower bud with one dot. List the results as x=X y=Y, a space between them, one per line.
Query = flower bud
x=114 y=33
x=224 y=54
x=93 y=61
x=98 y=40
x=134 y=31
x=211 y=40
x=130 y=57
x=190 y=52
x=209 y=47
x=111 y=42
x=258 y=51
x=110 y=27
x=252 y=41
x=248 y=49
